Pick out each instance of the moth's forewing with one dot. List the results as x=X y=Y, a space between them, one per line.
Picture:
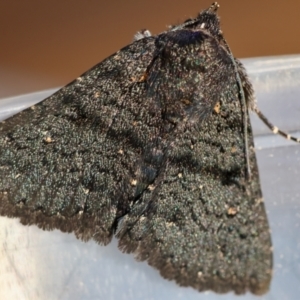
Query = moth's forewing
x=150 y=143
x=68 y=162
x=201 y=221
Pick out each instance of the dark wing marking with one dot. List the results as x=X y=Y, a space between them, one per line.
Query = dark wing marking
x=201 y=223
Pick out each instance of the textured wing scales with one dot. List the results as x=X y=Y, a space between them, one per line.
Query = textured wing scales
x=203 y=224
x=67 y=162
x=135 y=144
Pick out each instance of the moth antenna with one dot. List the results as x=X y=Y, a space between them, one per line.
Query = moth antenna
x=274 y=129
x=245 y=116
x=244 y=107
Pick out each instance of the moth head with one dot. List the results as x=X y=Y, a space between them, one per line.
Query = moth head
x=207 y=20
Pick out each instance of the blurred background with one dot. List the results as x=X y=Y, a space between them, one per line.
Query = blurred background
x=48 y=43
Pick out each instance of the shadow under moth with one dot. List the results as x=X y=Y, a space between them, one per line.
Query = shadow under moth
x=153 y=145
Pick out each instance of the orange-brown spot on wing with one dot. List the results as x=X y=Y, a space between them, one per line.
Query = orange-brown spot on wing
x=133 y=182
x=233 y=149
x=232 y=211
x=186 y=102
x=97 y=94
x=151 y=187
x=143 y=77
x=217 y=107
x=48 y=140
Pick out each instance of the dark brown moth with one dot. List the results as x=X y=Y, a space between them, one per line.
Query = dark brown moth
x=153 y=144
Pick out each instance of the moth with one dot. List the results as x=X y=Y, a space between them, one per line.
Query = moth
x=153 y=145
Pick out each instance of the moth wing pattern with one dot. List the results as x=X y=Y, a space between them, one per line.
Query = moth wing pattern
x=148 y=144
x=200 y=216
x=66 y=162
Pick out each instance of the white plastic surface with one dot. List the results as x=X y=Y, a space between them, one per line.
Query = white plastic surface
x=35 y=264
